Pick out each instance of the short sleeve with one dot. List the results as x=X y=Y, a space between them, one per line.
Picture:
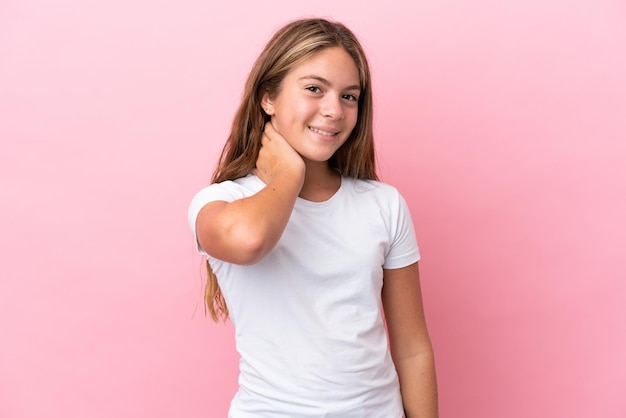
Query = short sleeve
x=215 y=192
x=403 y=250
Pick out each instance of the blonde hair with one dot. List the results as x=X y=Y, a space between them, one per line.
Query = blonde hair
x=290 y=46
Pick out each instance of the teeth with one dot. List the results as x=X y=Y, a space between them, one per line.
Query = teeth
x=319 y=131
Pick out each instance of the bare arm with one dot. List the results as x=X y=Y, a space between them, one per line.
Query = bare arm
x=411 y=348
x=244 y=231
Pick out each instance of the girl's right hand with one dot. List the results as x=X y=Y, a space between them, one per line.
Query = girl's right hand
x=277 y=158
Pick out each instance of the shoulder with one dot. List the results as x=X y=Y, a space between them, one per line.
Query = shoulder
x=227 y=191
x=230 y=190
x=373 y=189
x=382 y=198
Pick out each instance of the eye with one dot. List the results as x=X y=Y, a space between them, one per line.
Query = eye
x=350 y=97
x=314 y=89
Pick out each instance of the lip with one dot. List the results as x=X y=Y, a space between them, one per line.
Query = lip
x=324 y=132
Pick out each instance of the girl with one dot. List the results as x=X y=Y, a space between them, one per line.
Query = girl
x=306 y=248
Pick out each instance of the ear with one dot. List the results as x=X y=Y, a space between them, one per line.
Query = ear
x=267 y=103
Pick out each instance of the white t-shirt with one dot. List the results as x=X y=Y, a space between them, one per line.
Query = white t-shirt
x=307 y=317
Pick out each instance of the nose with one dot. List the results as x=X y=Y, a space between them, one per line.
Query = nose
x=332 y=107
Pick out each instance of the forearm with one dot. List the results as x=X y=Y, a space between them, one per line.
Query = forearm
x=418 y=385
x=257 y=222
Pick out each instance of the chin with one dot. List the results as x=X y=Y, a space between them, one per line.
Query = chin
x=318 y=155
x=317 y=158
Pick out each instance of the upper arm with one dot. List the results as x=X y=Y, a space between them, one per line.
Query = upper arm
x=207 y=230
x=404 y=312
x=222 y=235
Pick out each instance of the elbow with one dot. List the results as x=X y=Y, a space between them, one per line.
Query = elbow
x=422 y=350
x=236 y=244
x=250 y=252
x=247 y=247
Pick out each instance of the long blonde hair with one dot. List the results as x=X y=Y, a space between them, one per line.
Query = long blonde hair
x=290 y=46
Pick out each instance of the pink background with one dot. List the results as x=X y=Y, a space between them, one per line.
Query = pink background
x=503 y=123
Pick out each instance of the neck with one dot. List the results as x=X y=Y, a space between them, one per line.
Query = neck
x=321 y=182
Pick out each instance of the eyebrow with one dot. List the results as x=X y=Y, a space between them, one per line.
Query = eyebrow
x=327 y=83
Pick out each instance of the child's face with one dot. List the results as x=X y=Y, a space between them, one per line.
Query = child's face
x=317 y=105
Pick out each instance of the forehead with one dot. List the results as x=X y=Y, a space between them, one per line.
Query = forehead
x=333 y=64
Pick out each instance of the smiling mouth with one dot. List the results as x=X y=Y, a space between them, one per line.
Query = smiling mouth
x=322 y=132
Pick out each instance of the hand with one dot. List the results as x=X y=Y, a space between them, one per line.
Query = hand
x=277 y=158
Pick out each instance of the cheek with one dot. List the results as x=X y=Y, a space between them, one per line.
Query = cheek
x=352 y=117
x=304 y=109
x=295 y=112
